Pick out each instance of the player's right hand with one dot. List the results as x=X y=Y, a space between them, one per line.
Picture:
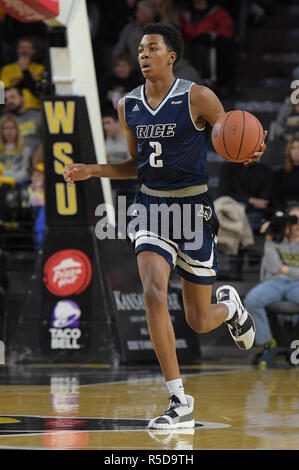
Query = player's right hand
x=76 y=172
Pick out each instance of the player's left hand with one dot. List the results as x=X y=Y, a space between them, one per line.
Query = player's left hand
x=253 y=158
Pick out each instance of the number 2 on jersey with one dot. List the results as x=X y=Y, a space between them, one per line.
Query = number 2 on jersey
x=153 y=159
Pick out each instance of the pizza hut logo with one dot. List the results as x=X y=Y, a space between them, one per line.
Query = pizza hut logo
x=67 y=272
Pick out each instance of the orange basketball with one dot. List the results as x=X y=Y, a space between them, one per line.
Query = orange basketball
x=237 y=135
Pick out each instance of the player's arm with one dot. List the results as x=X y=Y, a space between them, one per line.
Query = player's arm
x=121 y=170
x=206 y=105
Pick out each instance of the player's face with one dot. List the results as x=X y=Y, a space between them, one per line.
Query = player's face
x=153 y=55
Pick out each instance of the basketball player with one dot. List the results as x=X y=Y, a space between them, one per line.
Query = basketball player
x=166 y=123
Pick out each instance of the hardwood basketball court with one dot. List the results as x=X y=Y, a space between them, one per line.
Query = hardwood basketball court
x=96 y=407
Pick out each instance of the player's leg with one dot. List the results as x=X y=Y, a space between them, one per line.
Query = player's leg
x=201 y=315
x=198 y=269
x=154 y=272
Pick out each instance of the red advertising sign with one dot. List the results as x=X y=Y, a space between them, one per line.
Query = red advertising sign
x=67 y=272
x=31 y=11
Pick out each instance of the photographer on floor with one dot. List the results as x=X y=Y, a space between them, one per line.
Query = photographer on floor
x=280 y=278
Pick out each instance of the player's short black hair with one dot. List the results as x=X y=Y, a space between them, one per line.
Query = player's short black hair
x=171 y=35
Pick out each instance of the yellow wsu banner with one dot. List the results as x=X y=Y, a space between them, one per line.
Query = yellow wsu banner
x=67 y=140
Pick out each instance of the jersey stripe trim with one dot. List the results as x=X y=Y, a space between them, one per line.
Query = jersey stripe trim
x=142 y=233
x=147 y=240
x=189 y=106
x=156 y=110
x=183 y=192
x=204 y=272
x=194 y=262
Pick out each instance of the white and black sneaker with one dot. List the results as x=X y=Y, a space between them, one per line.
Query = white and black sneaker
x=178 y=415
x=241 y=326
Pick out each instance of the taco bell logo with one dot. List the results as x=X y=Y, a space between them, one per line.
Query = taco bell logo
x=65 y=323
x=66 y=313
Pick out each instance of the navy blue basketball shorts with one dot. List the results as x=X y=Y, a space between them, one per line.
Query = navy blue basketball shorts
x=180 y=225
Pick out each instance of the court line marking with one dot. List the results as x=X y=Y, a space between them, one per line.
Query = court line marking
x=159 y=378
x=200 y=425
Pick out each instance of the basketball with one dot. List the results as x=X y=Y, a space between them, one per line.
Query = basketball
x=237 y=135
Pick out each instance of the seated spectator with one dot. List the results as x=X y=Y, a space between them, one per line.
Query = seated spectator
x=30 y=120
x=286 y=124
x=208 y=25
x=183 y=69
x=117 y=151
x=6 y=183
x=115 y=139
x=38 y=156
x=251 y=186
x=24 y=73
x=14 y=155
x=286 y=180
x=122 y=79
x=131 y=34
x=168 y=13
x=235 y=230
x=36 y=192
x=280 y=281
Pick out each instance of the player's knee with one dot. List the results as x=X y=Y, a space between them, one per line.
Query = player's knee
x=155 y=296
x=198 y=321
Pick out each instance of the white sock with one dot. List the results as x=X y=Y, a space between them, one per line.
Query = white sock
x=231 y=307
x=175 y=387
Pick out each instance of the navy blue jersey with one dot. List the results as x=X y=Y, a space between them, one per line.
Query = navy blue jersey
x=172 y=151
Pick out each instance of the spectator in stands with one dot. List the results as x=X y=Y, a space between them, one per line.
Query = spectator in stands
x=251 y=186
x=29 y=119
x=183 y=69
x=122 y=79
x=112 y=17
x=24 y=73
x=116 y=148
x=6 y=183
x=14 y=155
x=208 y=25
x=286 y=180
x=168 y=13
x=131 y=34
x=38 y=156
x=280 y=281
x=114 y=137
x=36 y=192
x=286 y=124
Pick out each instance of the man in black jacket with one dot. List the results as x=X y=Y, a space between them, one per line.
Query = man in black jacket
x=251 y=186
